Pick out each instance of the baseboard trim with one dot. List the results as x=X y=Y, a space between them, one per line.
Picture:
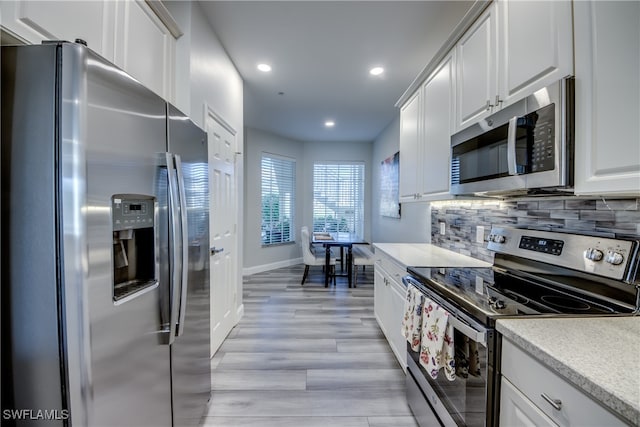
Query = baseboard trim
x=267 y=267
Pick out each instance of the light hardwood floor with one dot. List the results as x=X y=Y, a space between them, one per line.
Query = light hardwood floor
x=307 y=356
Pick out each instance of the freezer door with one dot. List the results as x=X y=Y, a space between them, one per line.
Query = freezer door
x=126 y=141
x=191 y=371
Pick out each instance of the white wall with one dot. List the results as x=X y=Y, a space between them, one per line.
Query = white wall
x=258 y=258
x=414 y=225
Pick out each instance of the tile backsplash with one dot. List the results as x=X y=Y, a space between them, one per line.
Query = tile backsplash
x=618 y=218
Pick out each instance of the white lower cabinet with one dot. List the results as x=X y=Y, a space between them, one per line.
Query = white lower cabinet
x=532 y=394
x=517 y=410
x=388 y=301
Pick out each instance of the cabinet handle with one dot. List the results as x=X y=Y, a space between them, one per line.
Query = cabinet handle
x=489 y=105
x=556 y=403
x=498 y=100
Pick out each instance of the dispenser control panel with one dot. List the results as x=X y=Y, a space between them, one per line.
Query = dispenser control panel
x=132 y=213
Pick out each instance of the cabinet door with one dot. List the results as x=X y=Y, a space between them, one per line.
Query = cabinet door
x=396 y=312
x=410 y=141
x=476 y=54
x=607 y=36
x=536 y=46
x=379 y=296
x=438 y=93
x=517 y=410
x=146 y=47
x=35 y=21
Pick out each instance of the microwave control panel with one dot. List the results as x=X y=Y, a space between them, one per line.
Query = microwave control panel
x=542 y=139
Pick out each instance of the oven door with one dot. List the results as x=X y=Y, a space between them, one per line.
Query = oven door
x=465 y=401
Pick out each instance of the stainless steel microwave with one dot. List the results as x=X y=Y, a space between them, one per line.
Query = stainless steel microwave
x=525 y=148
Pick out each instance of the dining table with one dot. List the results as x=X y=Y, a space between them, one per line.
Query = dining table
x=343 y=241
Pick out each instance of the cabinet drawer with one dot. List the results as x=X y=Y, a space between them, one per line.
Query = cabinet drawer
x=535 y=380
x=392 y=269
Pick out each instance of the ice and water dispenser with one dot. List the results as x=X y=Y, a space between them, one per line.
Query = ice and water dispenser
x=134 y=244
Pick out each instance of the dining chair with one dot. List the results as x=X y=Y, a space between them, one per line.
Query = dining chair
x=361 y=255
x=310 y=258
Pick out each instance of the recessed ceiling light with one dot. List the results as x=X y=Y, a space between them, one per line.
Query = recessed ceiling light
x=265 y=68
x=376 y=71
x=329 y=123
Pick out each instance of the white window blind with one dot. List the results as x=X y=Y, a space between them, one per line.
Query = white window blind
x=278 y=199
x=338 y=197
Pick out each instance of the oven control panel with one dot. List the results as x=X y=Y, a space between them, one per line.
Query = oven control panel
x=613 y=258
x=539 y=244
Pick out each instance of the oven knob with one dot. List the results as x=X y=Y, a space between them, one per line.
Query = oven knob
x=593 y=254
x=614 y=258
x=497 y=238
x=499 y=305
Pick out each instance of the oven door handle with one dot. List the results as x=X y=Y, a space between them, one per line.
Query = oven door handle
x=472 y=333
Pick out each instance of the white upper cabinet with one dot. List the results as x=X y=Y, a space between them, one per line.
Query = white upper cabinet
x=607 y=40
x=410 y=147
x=535 y=45
x=35 y=21
x=477 y=76
x=144 y=47
x=438 y=94
x=513 y=49
x=127 y=33
x=425 y=136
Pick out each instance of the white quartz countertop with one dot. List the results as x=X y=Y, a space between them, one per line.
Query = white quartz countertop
x=427 y=255
x=600 y=355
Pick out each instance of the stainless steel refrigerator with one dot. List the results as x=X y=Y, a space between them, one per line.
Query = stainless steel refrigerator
x=105 y=263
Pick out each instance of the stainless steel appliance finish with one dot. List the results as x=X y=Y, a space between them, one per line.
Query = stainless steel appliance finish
x=527 y=147
x=534 y=273
x=77 y=134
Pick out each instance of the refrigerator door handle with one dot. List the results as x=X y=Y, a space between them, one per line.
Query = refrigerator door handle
x=185 y=246
x=175 y=255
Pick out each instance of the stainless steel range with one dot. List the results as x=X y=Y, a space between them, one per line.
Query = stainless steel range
x=534 y=273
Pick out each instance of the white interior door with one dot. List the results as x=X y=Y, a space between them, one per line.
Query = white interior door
x=222 y=226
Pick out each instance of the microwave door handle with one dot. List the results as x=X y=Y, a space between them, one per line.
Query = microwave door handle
x=185 y=245
x=512 y=163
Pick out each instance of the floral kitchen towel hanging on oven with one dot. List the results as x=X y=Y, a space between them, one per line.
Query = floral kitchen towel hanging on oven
x=436 y=346
x=412 y=319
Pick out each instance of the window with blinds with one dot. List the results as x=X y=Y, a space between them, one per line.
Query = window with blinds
x=338 y=197
x=278 y=199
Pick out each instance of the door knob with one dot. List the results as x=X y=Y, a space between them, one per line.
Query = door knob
x=214 y=250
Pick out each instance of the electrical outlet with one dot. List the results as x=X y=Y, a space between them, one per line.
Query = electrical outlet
x=442 y=228
x=480 y=234
x=479 y=285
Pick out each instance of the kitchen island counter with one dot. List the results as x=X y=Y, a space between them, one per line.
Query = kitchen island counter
x=599 y=355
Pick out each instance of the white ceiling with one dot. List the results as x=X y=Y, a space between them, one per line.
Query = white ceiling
x=321 y=53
